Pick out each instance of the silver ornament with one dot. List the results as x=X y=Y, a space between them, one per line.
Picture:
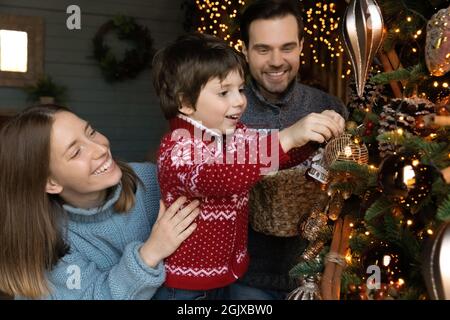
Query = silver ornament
x=308 y=290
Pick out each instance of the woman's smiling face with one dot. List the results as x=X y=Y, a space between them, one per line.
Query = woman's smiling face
x=81 y=165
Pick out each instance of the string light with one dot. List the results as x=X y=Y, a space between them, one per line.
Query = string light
x=214 y=15
x=322 y=24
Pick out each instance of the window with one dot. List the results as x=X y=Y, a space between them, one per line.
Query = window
x=21 y=50
x=13 y=51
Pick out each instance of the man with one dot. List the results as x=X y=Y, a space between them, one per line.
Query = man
x=272 y=33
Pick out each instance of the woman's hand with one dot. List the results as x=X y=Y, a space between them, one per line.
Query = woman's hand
x=171 y=228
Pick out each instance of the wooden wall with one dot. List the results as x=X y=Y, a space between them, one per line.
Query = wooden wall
x=127 y=112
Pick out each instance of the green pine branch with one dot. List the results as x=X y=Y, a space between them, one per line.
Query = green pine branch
x=363 y=178
x=393 y=137
x=349 y=278
x=306 y=268
x=440 y=189
x=355 y=169
x=410 y=245
x=391 y=229
x=410 y=293
x=443 y=212
x=359 y=242
x=412 y=74
x=431 y=151
x=397 y=75
x=379 y=207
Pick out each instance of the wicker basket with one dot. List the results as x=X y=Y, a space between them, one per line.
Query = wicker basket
x=278 y=202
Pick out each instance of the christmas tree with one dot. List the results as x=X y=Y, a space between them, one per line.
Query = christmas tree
x=389 y=176
x=399 y=199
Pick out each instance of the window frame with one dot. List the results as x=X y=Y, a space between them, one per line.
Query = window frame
x=34 y=27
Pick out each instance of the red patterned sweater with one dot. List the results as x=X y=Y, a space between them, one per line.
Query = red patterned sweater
x=193 y=161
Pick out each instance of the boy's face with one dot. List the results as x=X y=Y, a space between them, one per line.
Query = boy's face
x=220 y=104
x=273 y=54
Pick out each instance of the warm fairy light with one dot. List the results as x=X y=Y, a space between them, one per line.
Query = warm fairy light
x=397 y=30
x=351 y=225
x=409 y=222
x=348 y=151
x=435 y=84
x=322 y=23
x=414 y=50
x=386 y=260
x=400 y=131
x=445 y=85
x=348 y=257
x=409 y=19
x=415 y=163
x=409 y=176
x=401 y=282
x=367 y=233
x=430 y=232
x=211 y=14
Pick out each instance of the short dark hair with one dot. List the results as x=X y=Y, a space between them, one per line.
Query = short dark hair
x=184 y=67
x=269 y=9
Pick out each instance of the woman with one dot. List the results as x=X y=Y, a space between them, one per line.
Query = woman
x=75 y=223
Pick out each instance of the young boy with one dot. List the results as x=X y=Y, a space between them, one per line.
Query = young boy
x=209 y=156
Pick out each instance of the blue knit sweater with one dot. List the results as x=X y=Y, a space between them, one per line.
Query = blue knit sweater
x=104 y=261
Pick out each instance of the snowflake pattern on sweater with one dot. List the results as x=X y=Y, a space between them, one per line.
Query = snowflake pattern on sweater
x=195 y=162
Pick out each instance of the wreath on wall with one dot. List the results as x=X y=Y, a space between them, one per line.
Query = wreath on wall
x=135 y=60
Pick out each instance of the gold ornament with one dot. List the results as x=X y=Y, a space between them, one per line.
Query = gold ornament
x=344 y=148
x=313 y=225
x=351 y=125
x=312 y=250
x=437 y=47
x=363 y=32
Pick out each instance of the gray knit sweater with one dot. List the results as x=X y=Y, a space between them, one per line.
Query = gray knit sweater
x=272 y=257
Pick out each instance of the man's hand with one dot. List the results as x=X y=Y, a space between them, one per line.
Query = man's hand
x=318 y=127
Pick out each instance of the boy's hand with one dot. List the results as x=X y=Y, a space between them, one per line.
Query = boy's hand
x=318 y=127
x=171 y=228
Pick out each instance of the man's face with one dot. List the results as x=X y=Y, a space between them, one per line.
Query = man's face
x=273 y=54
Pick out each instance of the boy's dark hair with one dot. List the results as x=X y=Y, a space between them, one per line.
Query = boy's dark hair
x=269 y=9
x=183 y=68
